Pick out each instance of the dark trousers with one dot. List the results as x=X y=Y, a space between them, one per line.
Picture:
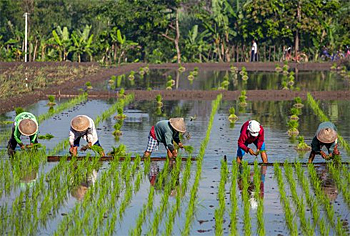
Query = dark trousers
x=11 y=145
x=253 y=56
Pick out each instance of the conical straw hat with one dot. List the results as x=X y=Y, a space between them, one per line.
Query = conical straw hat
x=27 y=127
x=327 y=135
x=178 y=124
x=80 y=123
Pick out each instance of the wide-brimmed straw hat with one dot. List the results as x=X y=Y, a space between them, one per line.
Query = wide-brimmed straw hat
x=80 y=123
x=27 y=127
x=327 y=135
x=178 y=124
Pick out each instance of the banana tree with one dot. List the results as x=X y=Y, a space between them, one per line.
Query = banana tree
x=196 y=47
x=123 y=45
x=82 y=43
x=62 y=41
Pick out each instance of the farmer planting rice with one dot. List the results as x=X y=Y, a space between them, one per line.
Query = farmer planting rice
x=251 y=132
x=166 y=132
x=326 y=135
x=25 y=124
x=83 y=126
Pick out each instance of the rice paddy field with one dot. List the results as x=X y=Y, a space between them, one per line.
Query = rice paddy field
x=210 y=195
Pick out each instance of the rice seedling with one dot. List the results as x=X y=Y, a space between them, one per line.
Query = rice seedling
x=291 y=79
x=131 y=75
x=159 y=100
x=293 y=127
x=278 y=69
x=88 y=85
x=19 y=110
x=232 y=117
x=233 y=69
x=112 y=79
x=219 y=212
x=302 y=146
x=181 y=68
x=242 y=99
x=243 y=71
x=46 y=136
x=190 y=76
x=295 y=112
x=146 y=68
x=117 y=126
x=142 y=72
x=120 y=113
x=51 y=100
x=245 y=198
x=258 y=196
x=298 y=103
x=170 y=83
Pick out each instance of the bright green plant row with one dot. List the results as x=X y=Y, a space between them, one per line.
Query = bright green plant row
x=315 y=107
x=245 y=198
x=306 y=225
x=311 y=201
x=323 y=199
x=341 y=182
x=194 y=189
x=288 y=213
x=233 y=198
x=258 y=197
x=220 y=210
x=63 y=106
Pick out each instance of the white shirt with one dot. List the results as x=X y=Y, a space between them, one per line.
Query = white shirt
x=90 y=135
x=255 y=47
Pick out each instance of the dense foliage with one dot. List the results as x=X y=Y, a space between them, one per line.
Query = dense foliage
x=115 y=31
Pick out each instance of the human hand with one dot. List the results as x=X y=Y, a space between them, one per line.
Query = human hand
x=251 y=152
x=22 y=146
x=73 y=151
x=29 y=145
x=90 y=144
x=323 y=154
x=180 y=145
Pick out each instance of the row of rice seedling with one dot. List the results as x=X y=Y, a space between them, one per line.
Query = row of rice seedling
x=310 y=200
x=258 y=196
x=306 y=225
x=194 y=189
x=323 y=199
x=245 y=198
x=288 y=212
x=63 y=106
x=341 y=182
x=233 y=198
x=220 y=210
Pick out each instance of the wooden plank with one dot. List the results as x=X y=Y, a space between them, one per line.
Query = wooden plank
x=110 y=158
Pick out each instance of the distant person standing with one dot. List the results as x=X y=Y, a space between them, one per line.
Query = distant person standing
x=25 y=124
x=254 y=52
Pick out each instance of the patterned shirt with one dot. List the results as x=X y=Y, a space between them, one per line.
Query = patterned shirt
x=17 y=134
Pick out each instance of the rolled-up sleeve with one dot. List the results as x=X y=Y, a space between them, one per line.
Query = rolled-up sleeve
x=71 y=137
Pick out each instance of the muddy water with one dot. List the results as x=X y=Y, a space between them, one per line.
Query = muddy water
x=142 y=115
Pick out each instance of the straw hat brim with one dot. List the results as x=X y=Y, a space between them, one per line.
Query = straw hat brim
x=27 y=127
x=80 y=123
x=178 y=124
x=327 y=135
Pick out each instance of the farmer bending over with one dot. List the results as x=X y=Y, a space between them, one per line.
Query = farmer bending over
x=251 y=132
x=82 y=126
x=326 y=135
x=25 y=124
x=166 y=131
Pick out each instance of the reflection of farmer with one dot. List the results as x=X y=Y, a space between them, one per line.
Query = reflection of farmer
x=80 y=190
x=327 y=183
x=25 y=124
x=251 y=132
x=251 y=189
x=166 y=132
x=28 y=179
x=326 y=135
x=153 y=177
x=82 y=126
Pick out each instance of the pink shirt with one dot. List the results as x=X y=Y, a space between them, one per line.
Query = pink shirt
x=245 y=138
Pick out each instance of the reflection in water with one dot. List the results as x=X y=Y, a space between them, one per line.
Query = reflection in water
x=251 y=189
x=327 y=183
x=81 y=185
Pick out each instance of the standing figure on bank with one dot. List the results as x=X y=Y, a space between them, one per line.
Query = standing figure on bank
x=326 y=135
x=254 y=52
x=166 y=132
x=82 y=126
x=25 y=124
x=251 y=132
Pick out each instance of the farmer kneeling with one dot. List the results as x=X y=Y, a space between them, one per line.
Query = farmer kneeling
x=25 y=124
x=251 y=132
x=166 y=131
x=326 y=135
x=82 y=126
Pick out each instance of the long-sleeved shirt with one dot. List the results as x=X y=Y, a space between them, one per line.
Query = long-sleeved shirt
x=17 y=134
x=166 y=134
x=90 y=135
x=316 y=145
x=245 y=138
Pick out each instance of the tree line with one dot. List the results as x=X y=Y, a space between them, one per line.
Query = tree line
x=156 y=31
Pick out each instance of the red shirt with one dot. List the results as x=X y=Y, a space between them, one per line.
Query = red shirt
x=245 y=138
x=152 y=133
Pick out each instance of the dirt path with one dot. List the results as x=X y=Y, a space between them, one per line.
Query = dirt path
x=71 y=88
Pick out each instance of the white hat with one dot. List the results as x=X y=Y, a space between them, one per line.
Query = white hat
x=254 y=128
x=80 y=123
x=178 y=124
x=27 y=127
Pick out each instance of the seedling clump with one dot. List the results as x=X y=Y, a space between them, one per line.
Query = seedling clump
x=51 y=100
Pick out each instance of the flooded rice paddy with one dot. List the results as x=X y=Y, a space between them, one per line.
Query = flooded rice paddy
x=203 y=197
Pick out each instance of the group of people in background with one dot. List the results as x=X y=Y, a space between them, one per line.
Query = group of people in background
x=168 y=132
